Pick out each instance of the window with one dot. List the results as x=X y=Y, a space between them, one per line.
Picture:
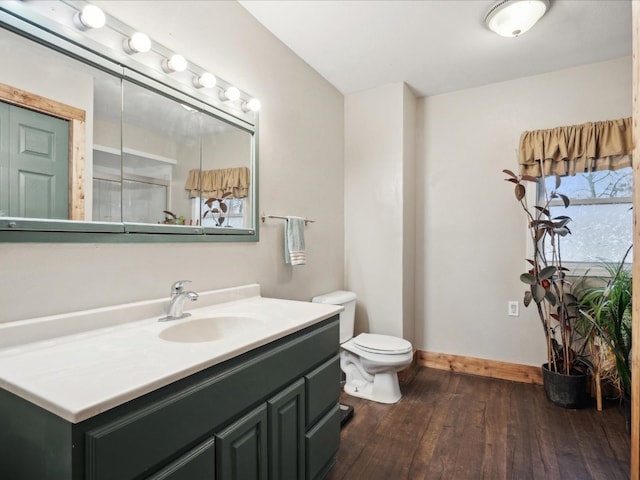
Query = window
x=233 y=217
x=601 y=217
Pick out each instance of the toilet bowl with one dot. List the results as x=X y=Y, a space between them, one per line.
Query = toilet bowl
x=370 y=362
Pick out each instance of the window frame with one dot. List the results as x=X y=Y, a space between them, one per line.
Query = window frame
x=582 y=268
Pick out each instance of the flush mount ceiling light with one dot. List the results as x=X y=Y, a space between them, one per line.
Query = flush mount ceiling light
x=252 y=105
x=177 y=63
x=206 y=80
x=510 y=18
x=138 y=43
x=89 y=17
x=231 y=93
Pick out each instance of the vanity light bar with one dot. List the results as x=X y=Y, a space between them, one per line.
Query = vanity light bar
x=90 y=17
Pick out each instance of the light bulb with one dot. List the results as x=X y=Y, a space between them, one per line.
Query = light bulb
x=206 y=80
x=252 y=105
x=138 y=43
x=89 y=17
x=231 y=93
x=177 y=63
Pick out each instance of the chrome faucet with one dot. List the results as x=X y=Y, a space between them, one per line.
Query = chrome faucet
x=178 y=296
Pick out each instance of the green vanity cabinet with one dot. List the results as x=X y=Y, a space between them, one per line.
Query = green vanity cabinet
x=197 y=463
x=268 y=414
x=323 y=418
x=286 y=432
x=242 y=448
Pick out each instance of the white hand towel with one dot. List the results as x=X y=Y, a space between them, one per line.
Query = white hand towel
x=294 y=241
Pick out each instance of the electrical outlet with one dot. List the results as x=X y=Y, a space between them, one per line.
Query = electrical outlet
x=512 y=308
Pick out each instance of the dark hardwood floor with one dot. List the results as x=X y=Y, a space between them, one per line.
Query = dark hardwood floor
x=454 y=426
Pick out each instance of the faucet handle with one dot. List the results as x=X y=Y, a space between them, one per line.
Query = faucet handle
x=178 y=287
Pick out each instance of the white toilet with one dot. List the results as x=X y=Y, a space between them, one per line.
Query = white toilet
x=370 y=362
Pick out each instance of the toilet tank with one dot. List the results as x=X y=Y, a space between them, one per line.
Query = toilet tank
x=347 y=317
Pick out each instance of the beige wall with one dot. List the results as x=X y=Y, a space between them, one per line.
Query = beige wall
x=301 y=171
x=471 y=232
x=379 y=208
x=469 y=238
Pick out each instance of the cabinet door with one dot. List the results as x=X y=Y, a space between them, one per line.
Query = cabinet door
x=199 y=463
x=241 y=450
x=38 y=165
x=323 y=441
x=286 y=433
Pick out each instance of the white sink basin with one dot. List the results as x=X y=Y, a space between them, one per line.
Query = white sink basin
x=210 y=329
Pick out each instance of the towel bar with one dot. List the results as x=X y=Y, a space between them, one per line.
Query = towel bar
x=265 y=216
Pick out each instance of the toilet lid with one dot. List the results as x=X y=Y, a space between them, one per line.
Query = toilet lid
x=386 y=344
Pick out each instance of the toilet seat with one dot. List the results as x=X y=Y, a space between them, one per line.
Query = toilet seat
x=382 y=344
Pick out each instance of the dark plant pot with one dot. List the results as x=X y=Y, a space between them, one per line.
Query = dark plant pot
x=567 y=391
x=626 y=411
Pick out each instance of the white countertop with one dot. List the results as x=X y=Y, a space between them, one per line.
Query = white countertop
x=83 y=373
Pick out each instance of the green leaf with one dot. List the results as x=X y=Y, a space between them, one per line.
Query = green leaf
x=528 y=279
x=551 y=298
x=527 y=299
x=561 y=221
x=520 y=192
x=543 y=210
x=565 y=200
x=570 y=300
x=538 y=292
x=547 y=272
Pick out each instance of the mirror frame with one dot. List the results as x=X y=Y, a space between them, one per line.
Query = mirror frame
x=18 y=18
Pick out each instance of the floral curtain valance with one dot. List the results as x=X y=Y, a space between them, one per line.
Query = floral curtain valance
x=606 y=145
x=215 y=183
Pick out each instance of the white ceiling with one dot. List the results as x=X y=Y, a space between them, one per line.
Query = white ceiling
x=438 y=46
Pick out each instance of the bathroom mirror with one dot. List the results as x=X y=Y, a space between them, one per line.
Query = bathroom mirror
x=101 y=149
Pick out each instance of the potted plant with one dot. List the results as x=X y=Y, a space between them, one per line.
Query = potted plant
x=171 y=218
x=566 y=371
x=605 y=309
x=217 y=213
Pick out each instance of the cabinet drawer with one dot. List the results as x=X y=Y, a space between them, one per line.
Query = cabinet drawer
x=322 y=443
x=198 y=463
x=322 y=389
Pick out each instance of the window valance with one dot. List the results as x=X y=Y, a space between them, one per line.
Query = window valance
x=606 y=145
x=215 y=183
